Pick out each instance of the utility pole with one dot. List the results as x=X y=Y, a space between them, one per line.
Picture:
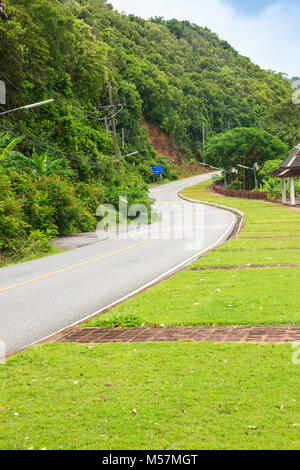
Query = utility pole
x=2 y=92
x=255 y=175
x=106 y=125
x=229 y=125
x=294 y=133
x=204 y=129
x=203 y=135
x=123 y=138
x=113 y=121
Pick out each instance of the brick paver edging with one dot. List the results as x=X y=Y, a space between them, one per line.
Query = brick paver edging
x=219 y=334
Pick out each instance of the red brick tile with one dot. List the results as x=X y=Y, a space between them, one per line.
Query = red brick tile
x=215 y=334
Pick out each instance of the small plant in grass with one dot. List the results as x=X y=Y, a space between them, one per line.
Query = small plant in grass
x=118 y=320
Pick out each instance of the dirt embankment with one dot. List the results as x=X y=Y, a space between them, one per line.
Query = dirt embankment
x=163 y=146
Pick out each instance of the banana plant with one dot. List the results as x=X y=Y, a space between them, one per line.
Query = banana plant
x=44 y=164
x=9 y=148
x=38 y=165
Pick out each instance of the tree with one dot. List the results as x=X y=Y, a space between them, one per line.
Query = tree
x=245 y=147
x=284 y=121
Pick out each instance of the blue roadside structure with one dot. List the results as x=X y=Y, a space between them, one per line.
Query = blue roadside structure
x=157 y=169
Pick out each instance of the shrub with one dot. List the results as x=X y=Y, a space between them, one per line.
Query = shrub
x=130 y=184
x=53 y=205
x=12 y=228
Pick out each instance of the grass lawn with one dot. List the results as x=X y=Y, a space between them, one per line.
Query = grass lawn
x=180 y=395
x=198 y=296
x=213 y=297
x=187 y=396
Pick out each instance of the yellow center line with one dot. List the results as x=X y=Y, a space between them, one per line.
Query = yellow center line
x=69 y=268
x=165 y=189
x=176 y=203
x=84 y=263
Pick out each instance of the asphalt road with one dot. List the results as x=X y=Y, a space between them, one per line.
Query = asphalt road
x=42 y=297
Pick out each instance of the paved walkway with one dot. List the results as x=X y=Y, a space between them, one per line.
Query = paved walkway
x=237 y=334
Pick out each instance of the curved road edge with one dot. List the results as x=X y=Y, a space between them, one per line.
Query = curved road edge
x=231 y=232
x=239 y=214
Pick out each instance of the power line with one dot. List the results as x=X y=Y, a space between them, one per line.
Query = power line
x=45 y=146
x=108 y=117
x=91 y=165
x=85 y=115
x=112 y=115
x=117 y=155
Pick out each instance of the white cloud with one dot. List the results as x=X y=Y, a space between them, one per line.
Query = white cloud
x=271 y=39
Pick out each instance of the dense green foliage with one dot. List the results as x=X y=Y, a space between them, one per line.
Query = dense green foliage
x=284 y=121
x=10 y=215
x=175 y=75
x=14 y=240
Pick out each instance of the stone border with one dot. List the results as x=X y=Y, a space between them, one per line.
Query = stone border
x=241 y=193
x=217 y=334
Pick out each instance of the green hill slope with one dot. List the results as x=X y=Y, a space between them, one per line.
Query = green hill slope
x=173 y=76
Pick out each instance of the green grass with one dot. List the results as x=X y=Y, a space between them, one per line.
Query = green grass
x=8 y=261
x=187 y=396
x=193 y=298
x=197 y=296
x=280 y=257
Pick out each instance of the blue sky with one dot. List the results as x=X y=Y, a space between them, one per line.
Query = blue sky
x=267 y=31
x=250 y=7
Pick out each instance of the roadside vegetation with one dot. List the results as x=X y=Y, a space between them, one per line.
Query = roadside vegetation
x=246 y=158
x=231 y=151
x=168 y=77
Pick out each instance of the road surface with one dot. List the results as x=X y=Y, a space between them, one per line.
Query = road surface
x=42 y=297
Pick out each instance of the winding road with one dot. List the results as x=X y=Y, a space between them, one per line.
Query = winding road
x=42 y=297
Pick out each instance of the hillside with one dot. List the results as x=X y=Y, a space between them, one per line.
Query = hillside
x=175 y=76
